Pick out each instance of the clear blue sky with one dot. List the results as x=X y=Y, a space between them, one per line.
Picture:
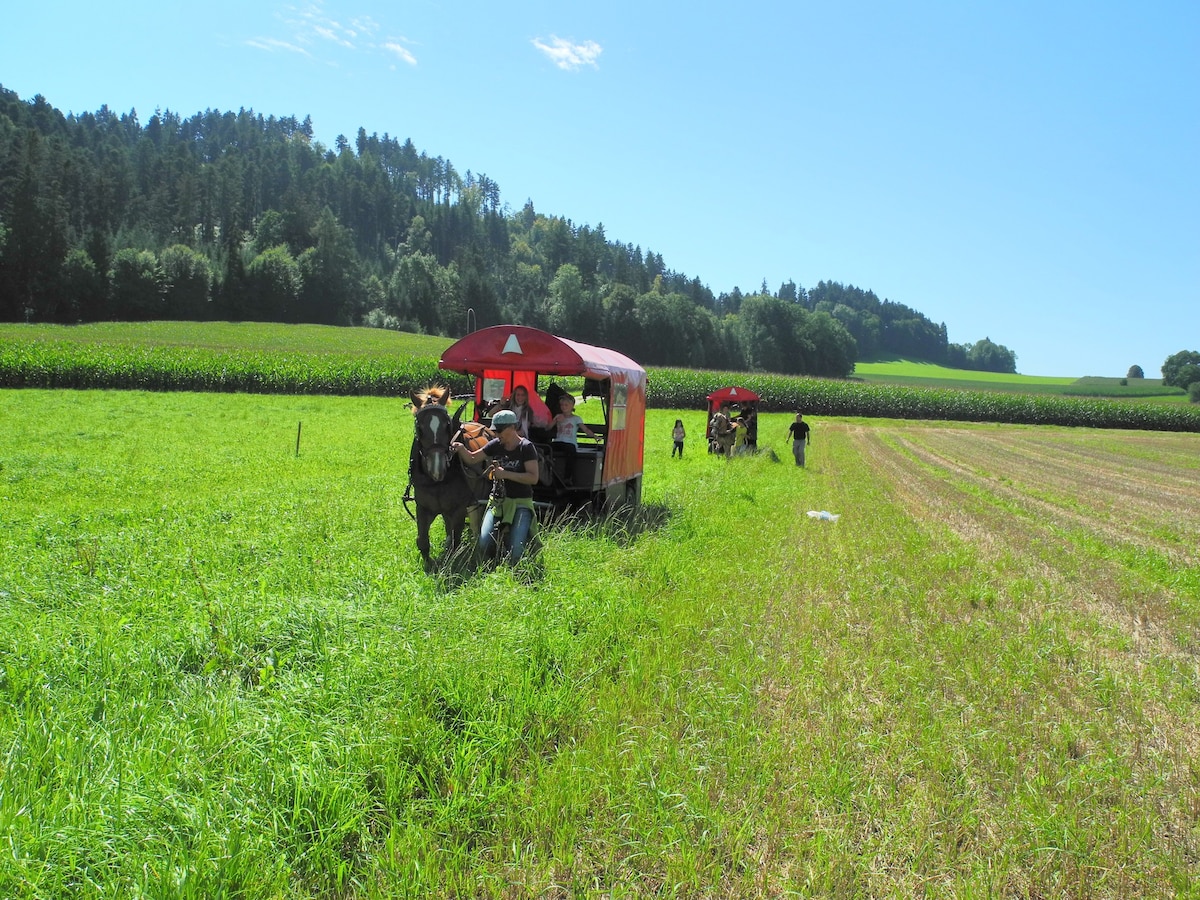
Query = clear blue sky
x=1023 y=171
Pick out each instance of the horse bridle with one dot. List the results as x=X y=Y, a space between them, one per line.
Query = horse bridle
x=432 y=439
x=453 y=431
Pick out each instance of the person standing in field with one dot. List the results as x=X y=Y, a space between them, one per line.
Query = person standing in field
x=723 y=431
x=750 y=417
x=741 y=435
x=677 y=435
x=800 y=434
x=515 y=472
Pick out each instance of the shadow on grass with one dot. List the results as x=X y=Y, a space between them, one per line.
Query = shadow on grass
x=622 y=525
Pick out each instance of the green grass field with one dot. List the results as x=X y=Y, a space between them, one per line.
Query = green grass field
x=232 y=337
x=923 y=374
x=224 y=674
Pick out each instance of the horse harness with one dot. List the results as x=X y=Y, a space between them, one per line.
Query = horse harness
x=473 y=435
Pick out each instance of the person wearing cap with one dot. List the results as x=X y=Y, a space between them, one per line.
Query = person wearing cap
x=514 y=471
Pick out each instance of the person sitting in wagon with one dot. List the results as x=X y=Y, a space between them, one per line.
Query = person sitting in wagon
x=528 y=416
x=566 y=434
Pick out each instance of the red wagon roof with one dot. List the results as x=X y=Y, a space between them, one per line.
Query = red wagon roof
x=521 y=347
x=732 y=395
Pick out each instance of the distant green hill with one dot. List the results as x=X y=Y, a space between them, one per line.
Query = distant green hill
x=918 y=373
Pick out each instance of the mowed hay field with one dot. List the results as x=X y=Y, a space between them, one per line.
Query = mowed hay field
x=224 y=674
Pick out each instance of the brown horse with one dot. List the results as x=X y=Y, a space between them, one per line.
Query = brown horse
x=442 y=484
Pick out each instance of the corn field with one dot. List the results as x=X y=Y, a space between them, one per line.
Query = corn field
x=267 y=361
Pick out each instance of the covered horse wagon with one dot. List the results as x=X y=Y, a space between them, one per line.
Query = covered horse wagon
x=739 y=395
x=605 y=470
x=743 y=398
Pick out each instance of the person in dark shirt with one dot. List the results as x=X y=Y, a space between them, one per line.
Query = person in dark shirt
x=750 y=416
x=800 y=434
x=514 y=471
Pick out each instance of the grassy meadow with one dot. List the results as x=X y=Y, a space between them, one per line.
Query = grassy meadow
x=916 y=373
x=223 y=672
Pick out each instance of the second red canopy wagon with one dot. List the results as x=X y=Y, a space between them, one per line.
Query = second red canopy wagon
x=607 y=470
x=732 y=395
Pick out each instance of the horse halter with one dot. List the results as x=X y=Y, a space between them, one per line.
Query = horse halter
x=433 y=433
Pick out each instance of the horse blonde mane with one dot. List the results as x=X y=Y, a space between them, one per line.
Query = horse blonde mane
x=434 y=393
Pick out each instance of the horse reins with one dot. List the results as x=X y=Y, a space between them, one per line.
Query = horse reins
x=408 y=498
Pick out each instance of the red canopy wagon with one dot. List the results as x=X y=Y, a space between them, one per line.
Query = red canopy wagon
x=742 y=397
x=737 y=395
x=607 y=470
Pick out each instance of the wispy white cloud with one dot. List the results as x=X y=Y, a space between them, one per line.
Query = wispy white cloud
x=331 y=34
x=310 y=29
x=272 y=44
x=311 y=23
x=400 y=51
x=568 y=54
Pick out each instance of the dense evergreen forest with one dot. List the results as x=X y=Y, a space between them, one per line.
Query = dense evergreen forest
x=237 y=216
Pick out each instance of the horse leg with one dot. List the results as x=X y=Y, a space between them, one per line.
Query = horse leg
x=425 y=519
x=455 y=522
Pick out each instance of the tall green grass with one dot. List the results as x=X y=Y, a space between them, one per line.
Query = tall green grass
x=933 y=374
x=223 y=672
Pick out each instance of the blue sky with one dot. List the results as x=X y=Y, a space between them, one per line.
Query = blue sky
x=1023 y=171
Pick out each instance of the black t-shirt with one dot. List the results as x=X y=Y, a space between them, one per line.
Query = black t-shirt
x=798 y=431
x=512 y=461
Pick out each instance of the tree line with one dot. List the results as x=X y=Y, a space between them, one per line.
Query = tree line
x=241 y=217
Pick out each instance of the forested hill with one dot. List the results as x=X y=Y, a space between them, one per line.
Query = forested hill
x=237 y=216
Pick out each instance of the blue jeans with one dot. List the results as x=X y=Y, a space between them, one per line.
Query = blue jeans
x=518 y=533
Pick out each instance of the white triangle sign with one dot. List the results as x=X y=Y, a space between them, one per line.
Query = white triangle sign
x=512 y=345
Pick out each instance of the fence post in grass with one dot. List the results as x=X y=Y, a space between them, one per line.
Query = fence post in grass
x=298 y=424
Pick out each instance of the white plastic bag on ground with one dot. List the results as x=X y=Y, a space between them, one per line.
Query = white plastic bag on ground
x=824 y=515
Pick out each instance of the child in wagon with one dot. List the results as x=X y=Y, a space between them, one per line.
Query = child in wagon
x=566 y=427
